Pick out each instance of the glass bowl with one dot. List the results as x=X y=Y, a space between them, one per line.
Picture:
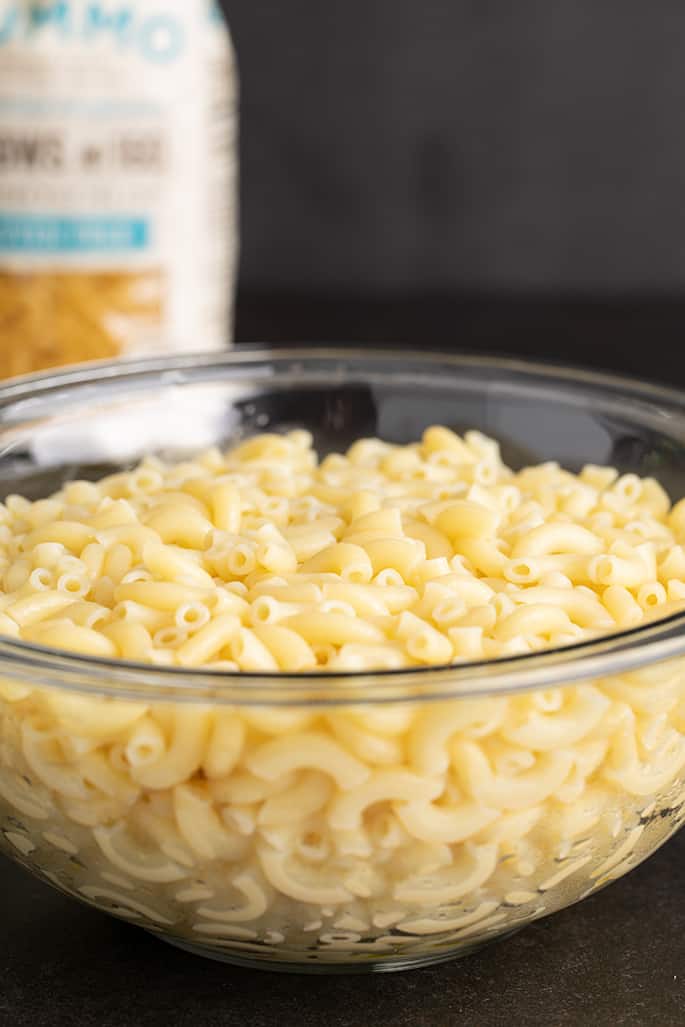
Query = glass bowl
x=363 y=821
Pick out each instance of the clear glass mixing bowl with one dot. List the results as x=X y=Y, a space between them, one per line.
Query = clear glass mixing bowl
x=358 y=822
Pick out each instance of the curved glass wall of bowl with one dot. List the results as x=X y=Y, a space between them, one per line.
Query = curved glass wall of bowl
x=375 y=880
x=111 y=415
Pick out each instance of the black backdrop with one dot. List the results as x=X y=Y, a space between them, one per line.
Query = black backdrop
x=478 y=145
x=463 y=173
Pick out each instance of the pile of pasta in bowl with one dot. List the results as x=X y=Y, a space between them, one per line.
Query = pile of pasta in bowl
x=383 y=833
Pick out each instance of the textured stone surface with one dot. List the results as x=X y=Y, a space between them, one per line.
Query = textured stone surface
x=618 y=958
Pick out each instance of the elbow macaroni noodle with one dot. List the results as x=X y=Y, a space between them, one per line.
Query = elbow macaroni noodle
x=357 y=830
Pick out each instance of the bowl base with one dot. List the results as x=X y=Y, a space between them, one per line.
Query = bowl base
x=314 y=965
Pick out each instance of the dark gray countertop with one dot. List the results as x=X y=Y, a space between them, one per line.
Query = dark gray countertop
x=618 y=958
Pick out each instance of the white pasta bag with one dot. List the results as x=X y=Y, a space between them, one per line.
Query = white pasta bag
x=118 y=179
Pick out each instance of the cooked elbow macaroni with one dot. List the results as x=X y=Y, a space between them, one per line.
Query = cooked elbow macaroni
x=356 y=828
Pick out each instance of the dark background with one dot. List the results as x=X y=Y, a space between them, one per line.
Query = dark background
x=466 y=173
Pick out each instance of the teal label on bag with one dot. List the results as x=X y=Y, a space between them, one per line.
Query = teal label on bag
x=37 y=234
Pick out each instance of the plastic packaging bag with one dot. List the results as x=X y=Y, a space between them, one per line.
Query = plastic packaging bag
x=118 y=226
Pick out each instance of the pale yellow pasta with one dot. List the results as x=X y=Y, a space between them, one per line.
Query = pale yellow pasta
x=287 y=648
x=466 y=519
x=201 y=827
x=354 y=656
x=430 y=823
x=160 y=595
x=346 y=811
x=170 y=564
x=311 y=794
x=314 y=750
x=347 y=561
x=209 y=640
x=40 y=605
x=40 y=579
x=423 y=642
x=117 y=562
x=180 y=525
x=622 y=605
x=557 y=538
x=267 y=610
x=584 y=608
x=364 y=600
x=64 y=634
x=341 y=822
x=336 y=629
x=225 y=745
x=250 y=652
x=88 y=615
x=380 y=523
x=136 y=613
x=400 y=555
x=616 y=570
x=672 y=564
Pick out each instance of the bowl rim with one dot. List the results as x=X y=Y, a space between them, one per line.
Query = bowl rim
x=620 y=652
x=101 y=372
